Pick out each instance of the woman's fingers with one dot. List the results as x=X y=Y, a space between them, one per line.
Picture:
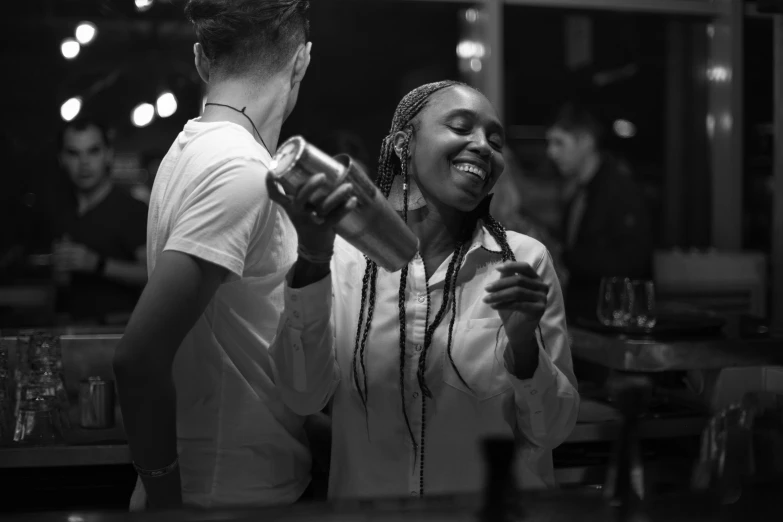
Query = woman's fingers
x=334 y=201
x=533 y=309
x=513 y=280
x=518 y=267
x=312 y=193
x=515 y=294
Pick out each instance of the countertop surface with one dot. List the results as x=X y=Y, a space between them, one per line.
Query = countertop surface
x=625 y=353
x=550 y=506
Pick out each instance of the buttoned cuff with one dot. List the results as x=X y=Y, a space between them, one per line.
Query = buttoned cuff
x=307 y=305
x=529 y=394
x=543 y=378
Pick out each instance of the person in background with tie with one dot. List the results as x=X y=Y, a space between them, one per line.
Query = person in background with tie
x=606 y=226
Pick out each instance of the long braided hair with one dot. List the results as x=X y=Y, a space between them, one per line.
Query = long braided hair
x=390 y=166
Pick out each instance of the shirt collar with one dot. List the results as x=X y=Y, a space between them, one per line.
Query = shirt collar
x=482 y=238
x=482 y=243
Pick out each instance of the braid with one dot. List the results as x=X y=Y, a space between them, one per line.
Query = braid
x=498 y=232
x=459 y=256
x=449 y=294
x=389 y=167
x=365 y=286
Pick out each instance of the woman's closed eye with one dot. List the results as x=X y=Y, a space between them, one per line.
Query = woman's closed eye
x=495 y=141
x=460 y=129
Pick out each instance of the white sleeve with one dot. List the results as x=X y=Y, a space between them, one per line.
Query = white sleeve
x=305 y=367
x=220 y=216
x=548 y=403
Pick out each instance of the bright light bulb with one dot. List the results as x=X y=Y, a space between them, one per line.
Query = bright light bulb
x=624 y=128
x=70 y=48
x=143 y=114
x=166 y=105
x=143 y=5
x=70 y=109
x=85 y=32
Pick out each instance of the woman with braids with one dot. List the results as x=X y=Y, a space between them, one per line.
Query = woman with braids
x=468 y=341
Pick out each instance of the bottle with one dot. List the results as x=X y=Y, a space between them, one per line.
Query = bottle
x=373 y=227
x=500 y=502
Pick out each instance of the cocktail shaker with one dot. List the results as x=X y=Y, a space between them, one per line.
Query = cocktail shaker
x=373 y=226
x=96 y=403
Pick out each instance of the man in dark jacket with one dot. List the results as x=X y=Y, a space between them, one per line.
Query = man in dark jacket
x=606 y=226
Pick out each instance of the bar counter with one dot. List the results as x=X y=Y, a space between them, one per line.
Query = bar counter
x=548 y=506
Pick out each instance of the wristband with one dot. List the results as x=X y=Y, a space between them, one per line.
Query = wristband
x=317 y=258
x=155 y=473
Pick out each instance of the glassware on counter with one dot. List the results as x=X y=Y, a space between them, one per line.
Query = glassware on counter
x=40 y=379
x=6 y=392
x=641 y=304
x=614 y=299
x=37 y=423
x=96 y=403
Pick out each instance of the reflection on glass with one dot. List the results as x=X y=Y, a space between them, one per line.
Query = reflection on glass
x=642 y=312
x=613 y=301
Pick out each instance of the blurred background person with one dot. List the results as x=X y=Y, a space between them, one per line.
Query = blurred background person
x=99 y=254
x=513 y=206
x=606 y=229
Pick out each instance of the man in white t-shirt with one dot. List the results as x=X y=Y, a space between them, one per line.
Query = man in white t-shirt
x=204 y=420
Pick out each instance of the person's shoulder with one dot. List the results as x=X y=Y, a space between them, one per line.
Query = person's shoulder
x=221 y=145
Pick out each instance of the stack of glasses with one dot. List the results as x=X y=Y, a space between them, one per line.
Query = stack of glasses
x=6 y=393
x=41 y=410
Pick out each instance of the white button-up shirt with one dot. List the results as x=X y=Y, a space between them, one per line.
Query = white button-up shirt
x=372 y=455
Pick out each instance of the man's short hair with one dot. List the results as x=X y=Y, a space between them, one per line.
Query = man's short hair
x=81 y=124
x=240 y=35
x=575 y=117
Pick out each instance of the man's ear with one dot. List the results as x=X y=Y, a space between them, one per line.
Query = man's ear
x=301 y=63
x=201 y=61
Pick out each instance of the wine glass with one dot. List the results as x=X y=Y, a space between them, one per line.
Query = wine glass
x=613 y=301
x=642 y=312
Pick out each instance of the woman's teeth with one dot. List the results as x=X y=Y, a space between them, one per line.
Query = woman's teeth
x=471 y=169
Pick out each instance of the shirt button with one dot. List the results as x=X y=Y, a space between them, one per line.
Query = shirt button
x=422 y=298
x=533 y=392
x=415 y=395
x=414 y=494
x=296 y=347
x=296 y=314
x=418 y=347
x=294 y=298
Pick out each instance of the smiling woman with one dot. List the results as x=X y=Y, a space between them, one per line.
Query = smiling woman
x=467 y=341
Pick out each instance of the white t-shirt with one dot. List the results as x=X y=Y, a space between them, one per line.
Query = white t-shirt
x=239 y=445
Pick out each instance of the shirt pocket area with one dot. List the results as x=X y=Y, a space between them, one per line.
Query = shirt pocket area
x=478 y=356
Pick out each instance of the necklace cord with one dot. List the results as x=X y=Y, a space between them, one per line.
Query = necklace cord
x=242 y=112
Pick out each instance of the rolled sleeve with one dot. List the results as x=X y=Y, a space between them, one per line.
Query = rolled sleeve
x=547 y=403
x=540 y=402
x=303 y=350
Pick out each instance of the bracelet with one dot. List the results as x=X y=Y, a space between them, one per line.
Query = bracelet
x=317 y=258
x=155 y=473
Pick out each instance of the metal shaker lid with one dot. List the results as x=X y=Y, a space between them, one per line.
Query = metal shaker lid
x=288 y=154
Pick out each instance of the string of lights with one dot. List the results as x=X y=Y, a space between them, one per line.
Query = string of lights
x=142 y=114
